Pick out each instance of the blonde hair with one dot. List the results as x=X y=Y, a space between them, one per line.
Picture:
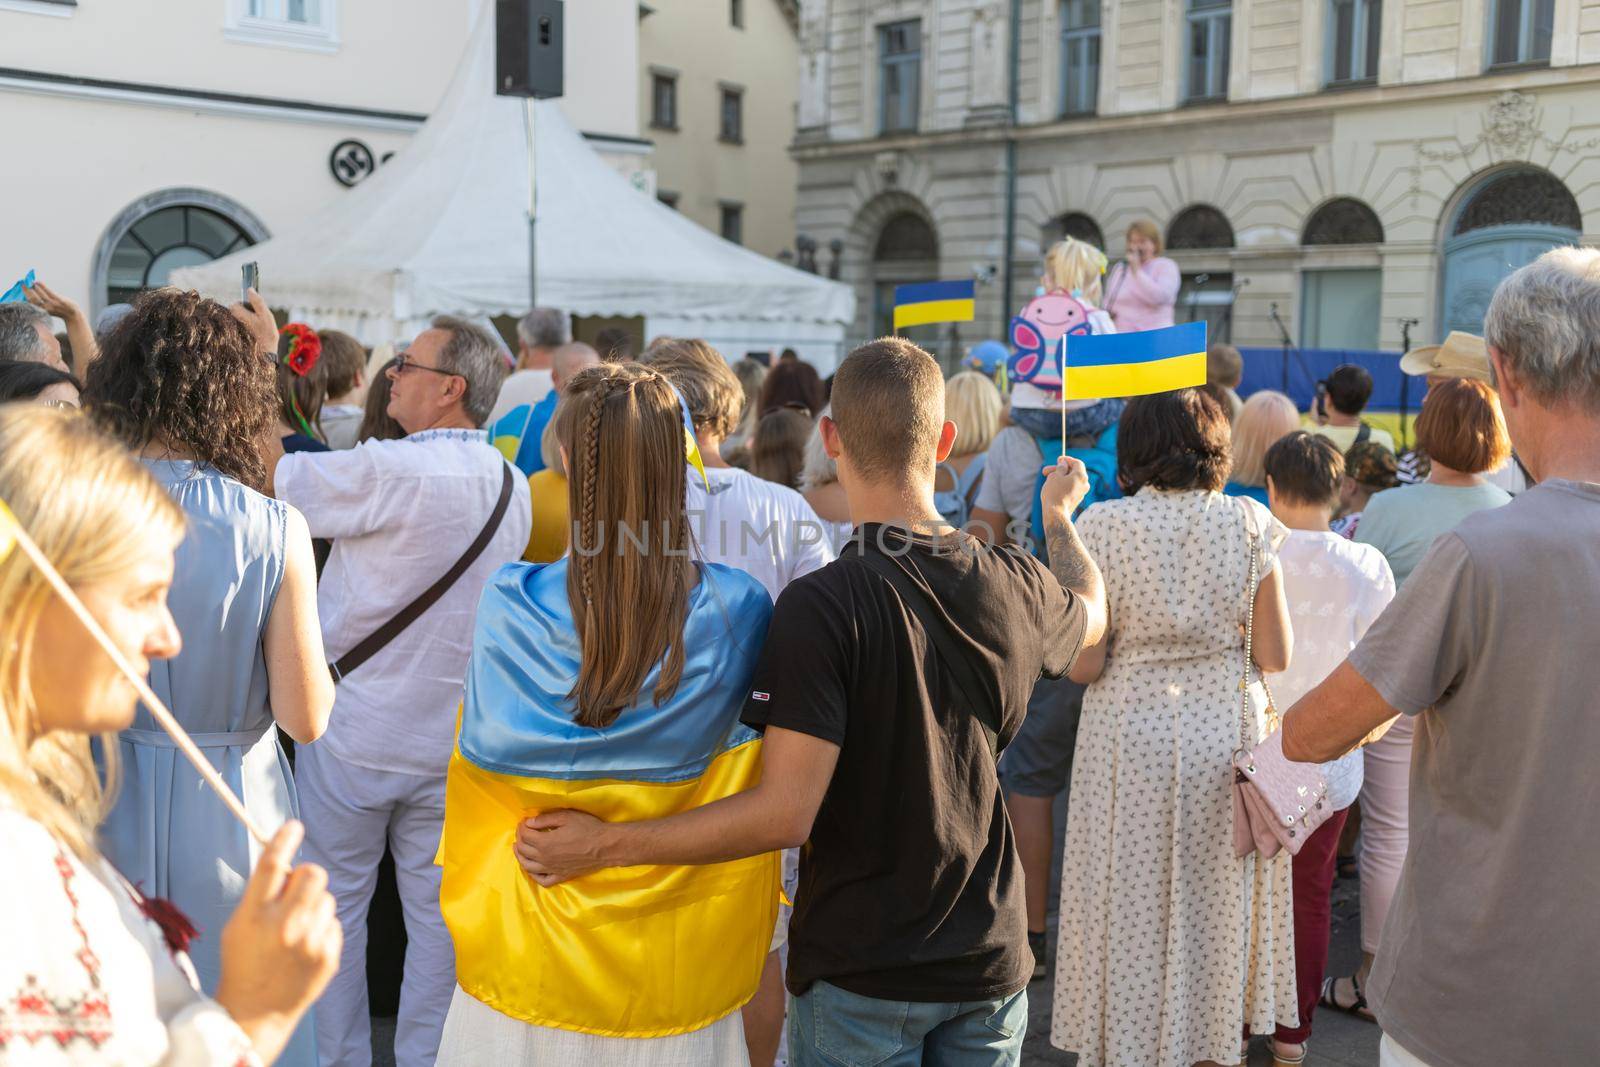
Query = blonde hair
x=819 y=469
x=972 y=402
x=1075 y=266
x=83 y=499
x=1148 y=230
x=622 y=430
x=1266 y=418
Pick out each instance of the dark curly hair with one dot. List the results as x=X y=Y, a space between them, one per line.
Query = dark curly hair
x=182 y=369
x=1177 y=440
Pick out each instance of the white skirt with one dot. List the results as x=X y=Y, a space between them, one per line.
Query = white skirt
x=475 y=1034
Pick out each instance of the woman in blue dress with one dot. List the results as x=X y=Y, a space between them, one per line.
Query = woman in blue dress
x=190 y=387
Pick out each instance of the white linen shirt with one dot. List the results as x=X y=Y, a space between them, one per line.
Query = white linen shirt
x=400 y=513
x=1336 y=588
x=765 y=529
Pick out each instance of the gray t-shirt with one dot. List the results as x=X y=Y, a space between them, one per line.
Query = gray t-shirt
x=1492 y=947
x=1011 y=474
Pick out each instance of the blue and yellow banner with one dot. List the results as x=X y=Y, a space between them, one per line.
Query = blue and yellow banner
x=929 y=302
x=630 y=951
x=1104 y=365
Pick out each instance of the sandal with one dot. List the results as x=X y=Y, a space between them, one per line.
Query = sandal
x=1359 y=1008
x=1280 y=1060
x=1349 y=867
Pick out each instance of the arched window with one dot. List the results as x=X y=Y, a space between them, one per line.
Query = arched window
x=906 y=236
x=1518 y=198
x=1199 y=226
x=1074 y=224
x=164 y=231
x=1343 y=221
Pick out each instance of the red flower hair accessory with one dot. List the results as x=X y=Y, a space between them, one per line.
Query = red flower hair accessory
x=304 y=350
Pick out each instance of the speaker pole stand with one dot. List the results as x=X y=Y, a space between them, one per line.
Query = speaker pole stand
x=533 y=204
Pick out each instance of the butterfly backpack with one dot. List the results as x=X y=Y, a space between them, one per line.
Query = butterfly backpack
x=1036 y=337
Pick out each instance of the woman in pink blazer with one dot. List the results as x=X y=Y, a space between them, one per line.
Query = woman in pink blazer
x=1141 y=290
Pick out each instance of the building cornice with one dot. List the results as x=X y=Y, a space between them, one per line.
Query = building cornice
x=1320 y=104
x=205 y=100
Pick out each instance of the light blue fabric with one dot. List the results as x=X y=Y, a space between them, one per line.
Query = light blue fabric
x=517 y=717
x=1402 y=523
x=829 y=1025
x=955 y=504
x=169 y=834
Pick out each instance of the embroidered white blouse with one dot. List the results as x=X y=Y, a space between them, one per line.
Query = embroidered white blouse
x=86 y=978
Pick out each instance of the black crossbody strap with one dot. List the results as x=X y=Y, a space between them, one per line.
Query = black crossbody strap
x=409 y=614
x=937 y=624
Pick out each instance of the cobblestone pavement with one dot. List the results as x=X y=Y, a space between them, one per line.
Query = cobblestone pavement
x=1338 y=1040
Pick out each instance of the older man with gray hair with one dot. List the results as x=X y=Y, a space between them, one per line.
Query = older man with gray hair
x=418 y=526
x=1486 y=958
x=539 y=333
x=25 y=335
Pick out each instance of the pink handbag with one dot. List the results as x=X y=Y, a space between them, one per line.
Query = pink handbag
x=1277 y=803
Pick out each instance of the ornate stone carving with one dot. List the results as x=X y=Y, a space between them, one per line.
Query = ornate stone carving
x=1511 y=121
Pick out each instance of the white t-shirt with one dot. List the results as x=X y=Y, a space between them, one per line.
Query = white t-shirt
x=765 y=529
x=1336 y=588
x=522 y=387
x=400 y=513
x=1344 y=437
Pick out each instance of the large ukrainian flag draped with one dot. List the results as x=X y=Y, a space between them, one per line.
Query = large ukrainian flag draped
x=628 y=952
x=1133 y=364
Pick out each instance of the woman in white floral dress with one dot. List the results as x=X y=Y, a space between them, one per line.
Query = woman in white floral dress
x=1170 y=946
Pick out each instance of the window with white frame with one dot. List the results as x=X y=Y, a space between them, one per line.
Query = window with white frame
x=309 y=24
x=1354 y=28
x=899 y=75
x=1080 y=56
x=1520 y=31
x=1210 y=25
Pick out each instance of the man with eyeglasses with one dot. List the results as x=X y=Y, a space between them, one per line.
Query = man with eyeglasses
x=402 y=516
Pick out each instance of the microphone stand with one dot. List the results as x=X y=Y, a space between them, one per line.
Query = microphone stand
x=1194 y=292
x=1405 y=382
x=1283 y=332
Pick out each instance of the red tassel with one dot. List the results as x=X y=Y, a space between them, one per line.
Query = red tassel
x=176 y=929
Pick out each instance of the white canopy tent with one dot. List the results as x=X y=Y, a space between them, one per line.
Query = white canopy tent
x=442 y=228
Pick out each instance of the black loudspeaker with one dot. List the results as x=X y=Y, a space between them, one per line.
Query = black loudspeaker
x=528 y=48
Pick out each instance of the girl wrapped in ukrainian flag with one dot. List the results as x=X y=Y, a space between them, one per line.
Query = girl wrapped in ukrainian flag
x=610 y=682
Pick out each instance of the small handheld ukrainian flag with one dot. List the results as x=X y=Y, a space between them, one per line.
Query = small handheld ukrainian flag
x=1097 y=366
x=929 y=302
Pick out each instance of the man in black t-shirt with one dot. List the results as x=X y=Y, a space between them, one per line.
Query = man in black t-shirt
x=889 y=682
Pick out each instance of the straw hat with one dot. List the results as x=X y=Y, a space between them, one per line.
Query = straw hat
x=1461 y=356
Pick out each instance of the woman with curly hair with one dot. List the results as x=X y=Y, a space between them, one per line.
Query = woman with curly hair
x=1171 y=945
x=188 y=385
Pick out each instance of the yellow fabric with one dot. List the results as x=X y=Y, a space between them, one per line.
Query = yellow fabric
x=626 y=952
x=547 y=539
x=932 y=311
x=1135 y=379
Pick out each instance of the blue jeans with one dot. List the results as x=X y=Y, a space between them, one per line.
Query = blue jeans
x=829 y=1027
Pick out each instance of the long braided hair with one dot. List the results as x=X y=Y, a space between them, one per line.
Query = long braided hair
x=629 y=571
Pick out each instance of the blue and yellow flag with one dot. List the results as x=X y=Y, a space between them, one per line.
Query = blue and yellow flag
x=1104 y=365
x=631 y=951
x=930 y=302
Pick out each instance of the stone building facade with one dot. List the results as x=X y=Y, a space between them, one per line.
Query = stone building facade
x=1343 y=165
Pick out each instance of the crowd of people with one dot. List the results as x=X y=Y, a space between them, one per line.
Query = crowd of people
x=712 y=713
